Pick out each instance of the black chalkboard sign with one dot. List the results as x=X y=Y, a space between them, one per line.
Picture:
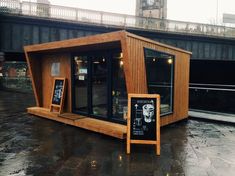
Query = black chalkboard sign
x=57 y=92
x=143 y=118
x=57 y=98
x=143 y=122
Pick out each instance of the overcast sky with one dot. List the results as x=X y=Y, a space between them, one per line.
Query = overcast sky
x=202 y=11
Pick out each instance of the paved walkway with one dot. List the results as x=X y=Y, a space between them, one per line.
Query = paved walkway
x=40 y=147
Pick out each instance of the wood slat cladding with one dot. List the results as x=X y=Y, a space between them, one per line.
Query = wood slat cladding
x=126 y=63
x=181 y=74
x=94 y=41
x=34 y=64
x=47 y=79
x=40 y=58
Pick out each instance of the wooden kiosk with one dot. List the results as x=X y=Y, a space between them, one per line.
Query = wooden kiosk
x=100 y=72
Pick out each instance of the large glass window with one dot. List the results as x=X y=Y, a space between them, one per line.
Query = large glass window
x=99 y=85
x=119 y=93
x=160 y=77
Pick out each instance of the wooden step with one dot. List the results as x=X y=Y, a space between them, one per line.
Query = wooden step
x=96 y=125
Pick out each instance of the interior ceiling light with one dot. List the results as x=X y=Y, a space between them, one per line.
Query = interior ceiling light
x=169 y=61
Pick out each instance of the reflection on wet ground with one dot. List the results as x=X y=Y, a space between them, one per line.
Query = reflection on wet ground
x=33 y=146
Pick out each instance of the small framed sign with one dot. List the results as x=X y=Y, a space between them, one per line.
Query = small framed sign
x=58 y=94
x=143 y=122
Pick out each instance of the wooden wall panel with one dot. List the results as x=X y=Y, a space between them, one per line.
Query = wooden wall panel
x=34 y=64
x=137 y=66
x=47 y=79
x=126 y=62
x=181 y=75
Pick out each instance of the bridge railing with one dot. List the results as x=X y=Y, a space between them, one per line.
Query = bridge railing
x=106 y=18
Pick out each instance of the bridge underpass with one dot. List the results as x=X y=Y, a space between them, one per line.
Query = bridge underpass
x=212 y=87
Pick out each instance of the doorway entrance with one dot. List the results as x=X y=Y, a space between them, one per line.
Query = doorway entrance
x=99 y=88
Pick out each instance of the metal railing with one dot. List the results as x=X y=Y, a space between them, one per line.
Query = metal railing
x=113 y=19
x=214 y=87
x=212 y=97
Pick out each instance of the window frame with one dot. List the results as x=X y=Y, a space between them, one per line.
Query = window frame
x=172 y=78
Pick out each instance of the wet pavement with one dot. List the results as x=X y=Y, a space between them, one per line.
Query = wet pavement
x=34 y=146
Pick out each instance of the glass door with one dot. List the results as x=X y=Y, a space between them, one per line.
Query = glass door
x=99 y=85
x=99 y=88
x=80 y=83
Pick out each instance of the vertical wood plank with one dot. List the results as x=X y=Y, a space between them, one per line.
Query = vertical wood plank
x=34 y=65
x=128 y=149
x=158 y=144
x=47 y=79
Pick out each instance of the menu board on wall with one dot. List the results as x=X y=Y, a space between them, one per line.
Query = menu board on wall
x=55 y=69
x=143 y=124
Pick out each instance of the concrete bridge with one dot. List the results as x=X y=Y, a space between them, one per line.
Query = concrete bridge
x=213 y=47
x=29 y=23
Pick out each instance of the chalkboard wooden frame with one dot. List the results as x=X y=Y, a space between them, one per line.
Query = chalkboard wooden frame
x=58 y=107
x=130 y=139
